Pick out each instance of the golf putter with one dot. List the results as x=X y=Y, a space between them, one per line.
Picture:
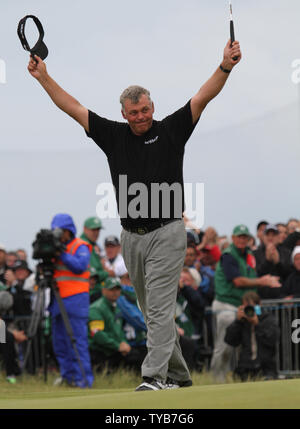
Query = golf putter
x=232 y=29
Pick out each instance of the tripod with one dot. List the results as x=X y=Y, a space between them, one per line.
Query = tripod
x=44 y=280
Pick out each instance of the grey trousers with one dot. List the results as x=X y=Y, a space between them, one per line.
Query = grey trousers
x=154 y=262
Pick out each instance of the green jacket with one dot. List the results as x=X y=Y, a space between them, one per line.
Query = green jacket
x=96 y=263
x=2 y=286
x=105 y=326
x=227 y=291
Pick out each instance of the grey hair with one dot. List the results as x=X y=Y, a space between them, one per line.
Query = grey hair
x=134 y=93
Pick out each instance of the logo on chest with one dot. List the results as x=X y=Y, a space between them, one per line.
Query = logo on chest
x=152 y=140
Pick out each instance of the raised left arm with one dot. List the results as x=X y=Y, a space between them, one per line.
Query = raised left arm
x=214 y=85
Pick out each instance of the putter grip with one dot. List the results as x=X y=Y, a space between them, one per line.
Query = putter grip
x=232 y=37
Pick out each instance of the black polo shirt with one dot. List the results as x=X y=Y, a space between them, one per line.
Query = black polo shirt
x=156 y=157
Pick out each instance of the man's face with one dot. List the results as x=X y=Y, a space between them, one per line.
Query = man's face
x=92 y=234
x=297 y=262
x=2 y=257
x=260 y=232
x=21 y=255
x=282 y=233
x=187 y=279
x=139 y=116
x=10 y=260
x=21 y=274
x=93 y=282
x=112 y=251
x=66 y=236
x=240 y=241
x=206 y=258
x=190 y=257
x=292 y=225
x=112 y=294
x=271 y=238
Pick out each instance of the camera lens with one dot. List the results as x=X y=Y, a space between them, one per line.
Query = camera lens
x=249 y=310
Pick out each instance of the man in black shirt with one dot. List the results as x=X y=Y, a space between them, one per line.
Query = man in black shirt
x=145 y=157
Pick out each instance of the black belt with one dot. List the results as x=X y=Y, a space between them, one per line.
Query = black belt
x=141 y=230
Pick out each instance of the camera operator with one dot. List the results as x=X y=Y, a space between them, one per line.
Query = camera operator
x=72 y=279
x=257 y=334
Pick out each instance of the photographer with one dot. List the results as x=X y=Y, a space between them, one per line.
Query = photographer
x=257 y=334
x=72 y=279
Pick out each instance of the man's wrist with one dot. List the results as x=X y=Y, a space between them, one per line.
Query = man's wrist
x=43 y=80
x=226 y=67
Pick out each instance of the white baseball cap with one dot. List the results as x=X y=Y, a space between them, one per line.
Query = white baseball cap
x=296 y=251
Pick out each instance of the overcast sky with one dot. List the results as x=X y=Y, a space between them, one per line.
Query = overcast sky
x=245 y=148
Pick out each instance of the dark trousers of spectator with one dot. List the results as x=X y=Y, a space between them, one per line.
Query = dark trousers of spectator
x=133 y=360
x=246 y=374
x=9 y=355
x=189 y=351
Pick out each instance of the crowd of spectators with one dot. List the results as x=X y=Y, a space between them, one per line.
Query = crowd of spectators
x=219 y=273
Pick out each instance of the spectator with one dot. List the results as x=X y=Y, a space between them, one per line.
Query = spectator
x=272 y=258
x=223 y=242
x=189 y=315
x=210 y=238
x=282 y=232
x=293 y=238
x=189 y=283
x=107 y=340
x=72 y=278
x=292 y=225
x=235 y=275
x=257 y=334
x=208 y=261
x=252 y=243
x=260 y=229
x=134 y=325
x=192 y=238
x=91 y=231
x=22 y=254
x=114 y=262
x=20 y=288
x=95 y=285
x=190 y=260
x=12 y=338
x=291 y=287
x=11 y=259
x=3 y=266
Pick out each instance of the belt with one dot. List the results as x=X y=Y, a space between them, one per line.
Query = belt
x=141 y=230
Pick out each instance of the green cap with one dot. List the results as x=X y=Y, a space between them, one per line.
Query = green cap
x=241 y=230
x=93 y=223
x=110 y=283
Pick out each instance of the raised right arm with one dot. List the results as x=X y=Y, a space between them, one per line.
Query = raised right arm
x=59 y=96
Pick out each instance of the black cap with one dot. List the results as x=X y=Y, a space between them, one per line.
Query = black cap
x=111 y=240
x=21 y=264
x=39 y=48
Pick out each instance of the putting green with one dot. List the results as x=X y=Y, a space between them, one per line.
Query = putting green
x=262 y=395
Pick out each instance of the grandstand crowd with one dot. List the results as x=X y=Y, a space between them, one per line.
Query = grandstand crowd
x=212 y=278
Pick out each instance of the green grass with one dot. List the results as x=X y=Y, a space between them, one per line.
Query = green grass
x=117 y=392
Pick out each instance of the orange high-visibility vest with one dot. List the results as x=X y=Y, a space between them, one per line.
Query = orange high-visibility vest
x=69 y=283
